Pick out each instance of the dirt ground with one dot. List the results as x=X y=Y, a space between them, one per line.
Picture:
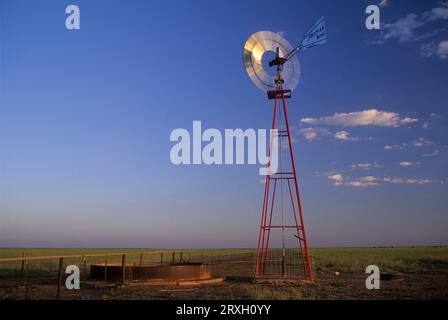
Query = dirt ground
x=431 y=285
x=424 y=275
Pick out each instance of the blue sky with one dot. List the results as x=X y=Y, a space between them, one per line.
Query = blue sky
x=86 y=115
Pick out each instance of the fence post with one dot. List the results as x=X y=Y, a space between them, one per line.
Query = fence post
x=123 y=268
x=174 y=255
x=61 y=265
x=180 y=257
x=141 y=259
x=161 y=257
x=25 y=279
x=23 y=261
x=105 y=269
x=84 y=263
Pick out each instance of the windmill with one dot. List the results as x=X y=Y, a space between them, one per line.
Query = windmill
x=278 y=77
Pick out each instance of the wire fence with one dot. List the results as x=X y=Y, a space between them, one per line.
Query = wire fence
x=279 y=263
x=44 y=277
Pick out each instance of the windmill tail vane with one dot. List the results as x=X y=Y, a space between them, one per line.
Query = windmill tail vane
x=317 y=35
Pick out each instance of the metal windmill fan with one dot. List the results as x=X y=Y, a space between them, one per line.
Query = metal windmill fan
x=263 y=42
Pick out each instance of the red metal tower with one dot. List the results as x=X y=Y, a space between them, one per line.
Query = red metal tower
x=274 y=184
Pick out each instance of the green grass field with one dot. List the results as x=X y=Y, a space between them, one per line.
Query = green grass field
x=387 y=259
x=408 y=259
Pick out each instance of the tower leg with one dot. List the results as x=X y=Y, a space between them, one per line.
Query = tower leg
x=303 y=248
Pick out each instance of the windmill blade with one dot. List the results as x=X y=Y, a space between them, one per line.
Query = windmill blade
x=256 y=46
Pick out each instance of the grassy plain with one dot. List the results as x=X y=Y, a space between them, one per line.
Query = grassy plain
x=399 y=259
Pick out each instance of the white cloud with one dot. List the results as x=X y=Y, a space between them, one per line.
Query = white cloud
x=342 y=135
x=431 y=49
x=345 y=136
x=407 y=181
x=361 y=184
x=366 y=166
x=372 y=181
x=442 y=50
x=384 y=3
x=406 y=164
x=432 y=154
x=402 y=146
x=428 y=34
x=336 y=177
x=403 y=29
x=311 y=134
x=339 y=180
x=408 y=120
x=421 y=142
x=368 y=117
x=438 y=13
x=368 y=179
x=428 y=50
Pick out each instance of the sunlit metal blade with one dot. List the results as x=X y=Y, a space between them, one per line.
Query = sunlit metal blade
x=256 y=46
